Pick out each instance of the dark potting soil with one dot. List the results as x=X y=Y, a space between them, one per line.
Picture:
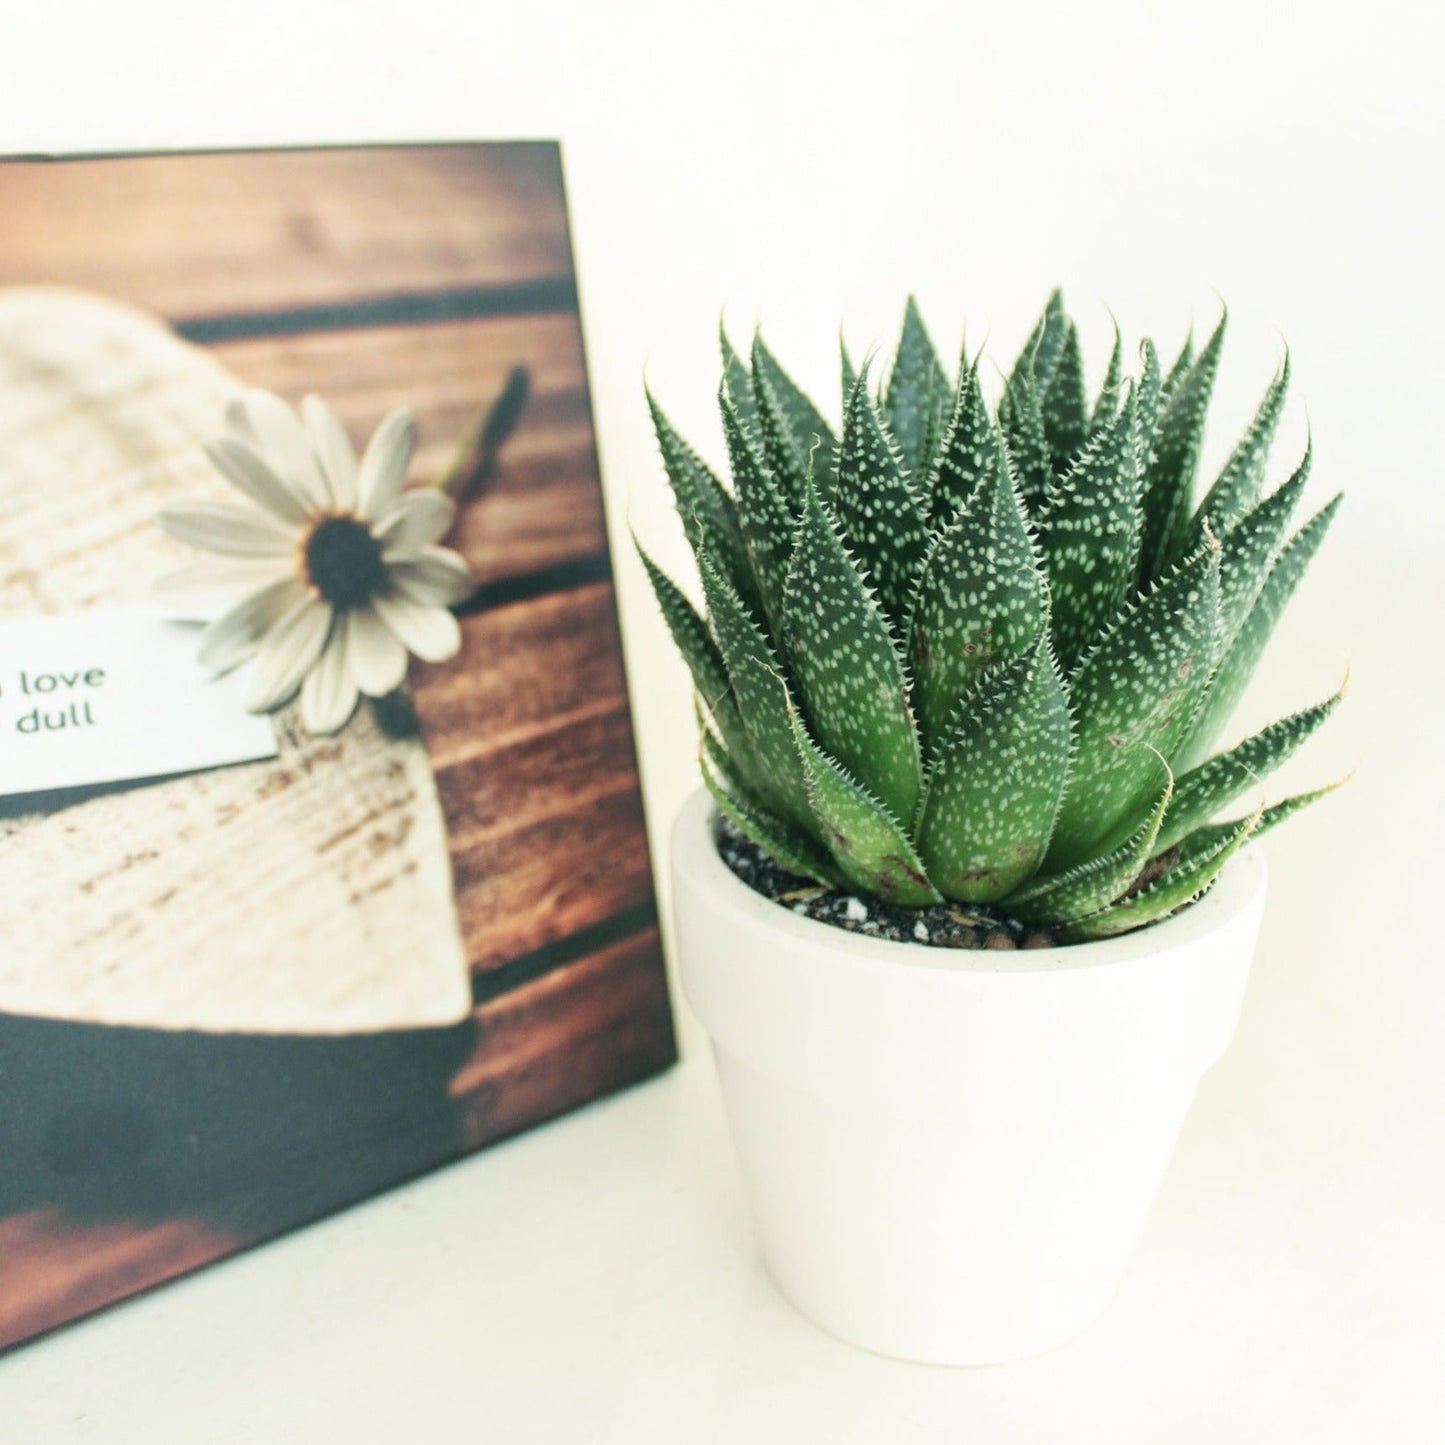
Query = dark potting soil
x=943 y=925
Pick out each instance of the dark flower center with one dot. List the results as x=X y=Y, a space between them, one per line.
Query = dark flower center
x=343 y=561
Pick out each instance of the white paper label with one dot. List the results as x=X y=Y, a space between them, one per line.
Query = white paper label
x=115 y=695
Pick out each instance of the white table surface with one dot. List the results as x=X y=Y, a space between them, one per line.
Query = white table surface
x=597 y=1280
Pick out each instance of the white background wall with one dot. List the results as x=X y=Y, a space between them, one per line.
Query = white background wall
x=806 y=164
x=802 y=164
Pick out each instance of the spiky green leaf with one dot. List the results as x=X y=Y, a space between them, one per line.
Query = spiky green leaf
x=801 y=438
x=1150 y=398
x=969 y=451
x=1250 y=549
x=1065 y=405
x=1089 y=537
x=1098 y=881
x=702 y=502
x=757 y=684
x=1191 y=875
x=1021 y=413
x=870 y=846
x=786 y=845
x=765 y=516
x=992 y=797
x=1180 y=369
x=917 y=398
x=1041 y=352
x=850 y=374
x=1237 y=489
x=1237 y=664
x=1169 y=483
x=981 y=600
x=1106 y=405
x=738 y=384
x=689 y=632
x=1207 y=790
x=1276 y=814
x=881 y=514
x=847 y=663
x=1135 y=696
x=699 y=651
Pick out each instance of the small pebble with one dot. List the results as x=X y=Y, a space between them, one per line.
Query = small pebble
x=856 y=911
x=921 y=933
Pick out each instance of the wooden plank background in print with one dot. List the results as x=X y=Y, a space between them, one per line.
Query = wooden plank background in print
x=375 y=276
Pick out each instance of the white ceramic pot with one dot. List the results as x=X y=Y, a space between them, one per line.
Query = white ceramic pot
x=951 y=1153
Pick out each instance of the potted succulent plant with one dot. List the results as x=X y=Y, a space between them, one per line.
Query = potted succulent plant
x=958 y=914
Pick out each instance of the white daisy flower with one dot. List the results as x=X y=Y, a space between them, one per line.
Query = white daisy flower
x=328 y=573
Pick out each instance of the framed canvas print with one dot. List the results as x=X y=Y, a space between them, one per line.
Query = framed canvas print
x=322 y=858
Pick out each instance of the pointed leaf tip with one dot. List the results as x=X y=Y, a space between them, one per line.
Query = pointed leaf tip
x=881 y=515
x=1135 y=695
x=993 y=790
x=866 y=839
x=847 y=664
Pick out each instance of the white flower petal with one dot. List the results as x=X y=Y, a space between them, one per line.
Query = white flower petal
x=250 y=475
x=329 y=695
x=238 y=423
x=430 y=632
x=433 y=576
x=288 y=652
x=282 y=440
x=419 y=518
x=203 y=589
x=383 y=468
x=227 y=528
x=374 y=653
x=234 y=637
x=333 y=450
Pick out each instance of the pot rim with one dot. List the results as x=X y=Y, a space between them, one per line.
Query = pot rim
x=695 y=855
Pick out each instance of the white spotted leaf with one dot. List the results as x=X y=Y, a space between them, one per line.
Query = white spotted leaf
x=1089 y=537
x=1169 y=481
x=1208 y=789
x=704 y=661
x=993 y=794
x=760 y=692
x=981 y=600
x=849 y=671
x=1021 y=413
x=1089 y=886
x=881 y=514
x=1134 y=697
x=796 y=438
x=1041 y=352
x=787 y=845
x=918 y=397
x=1237 y=664
x=737 y=383
x=1193 y=873
x=1249 y=551
x=1237 y=489
x=764 y=514
x=1065 y=405
x=1106 y=405
x=868 y=843
x=705 y=506
x=969 y=453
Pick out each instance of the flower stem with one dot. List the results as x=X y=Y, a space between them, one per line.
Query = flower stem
x=475 y=462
